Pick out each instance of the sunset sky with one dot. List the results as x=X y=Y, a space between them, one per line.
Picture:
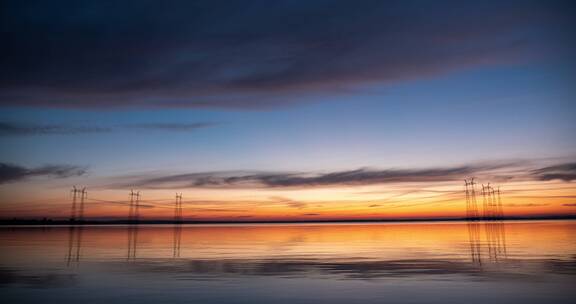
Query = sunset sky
x=286 y=110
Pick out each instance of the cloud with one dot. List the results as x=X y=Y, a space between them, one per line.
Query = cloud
x=358 y=177
x=365 y=176
x=258 y=53
x=527 y=205
x=289 y=203
x=20 y=129
x=184 y=127
x=565 y=172
x=13 y=129
x=13 y=173
x=569 y=205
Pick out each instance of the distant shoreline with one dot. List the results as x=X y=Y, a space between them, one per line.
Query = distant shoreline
x=49 y=222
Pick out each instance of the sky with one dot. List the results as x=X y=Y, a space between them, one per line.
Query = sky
x=286 y=110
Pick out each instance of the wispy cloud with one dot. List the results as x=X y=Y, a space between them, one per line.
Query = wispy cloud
x=13 y=173
x=564 y=172
x=495 y=171
x=21 y=129
x=15 y=129
x=183 y=127
x=527 y=205
x=289 y=202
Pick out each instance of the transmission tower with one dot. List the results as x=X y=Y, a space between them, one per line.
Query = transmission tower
x=467 y=192
x=500 y=207
x=494 y=205
x=491 y=202
x=74 y=192
x=131 y=206
x=83 y=196
x=134 y=212
x=178 y=208
x=484 y=202
x=77 y=210
x=137 y=206
x=471 y=204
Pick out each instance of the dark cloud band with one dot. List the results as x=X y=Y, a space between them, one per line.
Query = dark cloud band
x=565 y=172
x=257 y=53
x=14 y=129
x=493 y=171
x=19 y=129
x=14 y=173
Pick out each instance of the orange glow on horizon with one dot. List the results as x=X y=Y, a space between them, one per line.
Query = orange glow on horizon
x=395 y=201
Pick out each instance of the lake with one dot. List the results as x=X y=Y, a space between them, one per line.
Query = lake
x=426 y=262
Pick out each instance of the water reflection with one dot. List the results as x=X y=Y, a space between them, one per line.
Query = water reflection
x=74 y=245
x=12 y=276
x=176 y=240
x=496 y=240
x=132 y=242
x=166 y=260
x=486 y=242
x=474 y=234
x=488 y=248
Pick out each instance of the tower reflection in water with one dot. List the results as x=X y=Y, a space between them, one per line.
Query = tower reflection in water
x=491 y=248
x=74 y=245
x=176 y=240
x=474 y=233
x=132 y=242
x=486 y=241
x=199 y=261
x=496 y=240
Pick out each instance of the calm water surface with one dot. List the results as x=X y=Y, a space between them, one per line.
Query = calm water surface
x=515 y=262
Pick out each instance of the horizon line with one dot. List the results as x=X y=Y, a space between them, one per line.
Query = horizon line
x=50 y=222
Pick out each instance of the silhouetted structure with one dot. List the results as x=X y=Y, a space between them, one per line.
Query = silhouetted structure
x=77 y=212
x=178 y=208
x=485 y=201
x=492 y=203
x=134 y=211
x=471 y=203
x=500 y=207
